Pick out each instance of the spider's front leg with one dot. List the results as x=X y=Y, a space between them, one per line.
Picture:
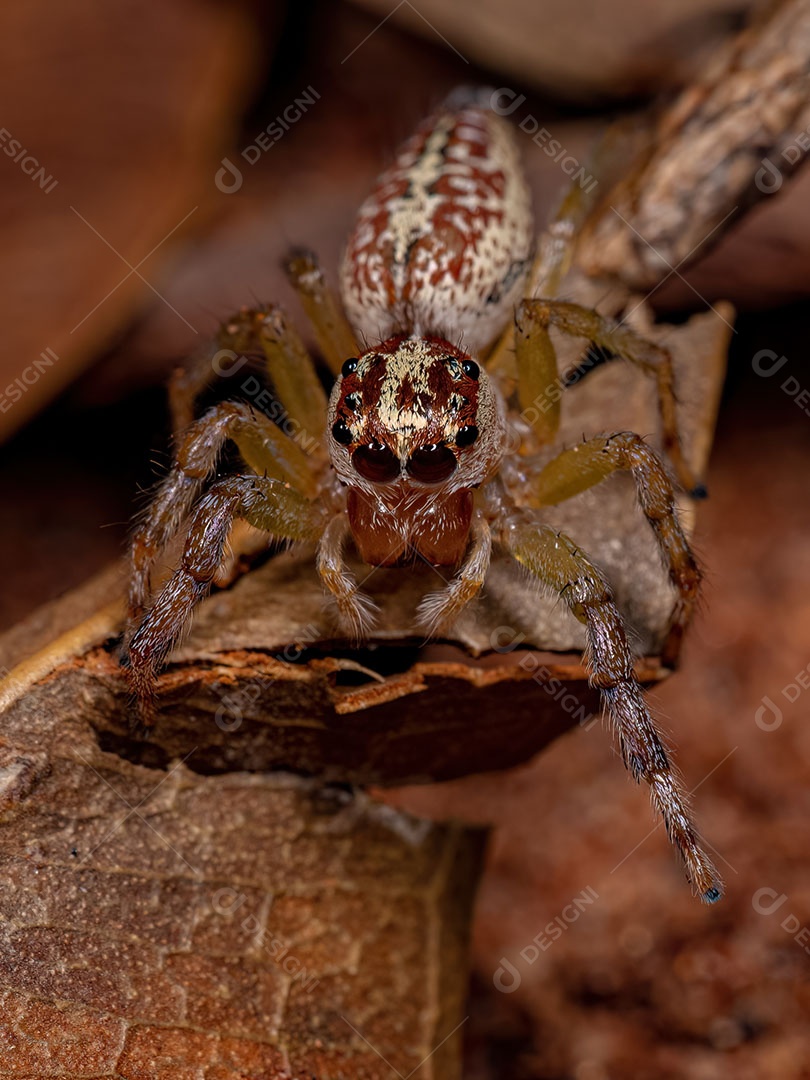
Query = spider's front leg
x=300 y=402
x=267 y=504
x=538 y=385
x=582 y=466
x=261 y=444
x=556 y=561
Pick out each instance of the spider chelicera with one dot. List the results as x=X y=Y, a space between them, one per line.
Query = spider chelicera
x=423 y=454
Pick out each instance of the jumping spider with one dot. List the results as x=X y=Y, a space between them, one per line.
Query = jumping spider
x=419 y=457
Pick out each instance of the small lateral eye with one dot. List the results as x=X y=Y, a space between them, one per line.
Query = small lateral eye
x=342 y=433
x=376 y=462
x=470 y=368
x=353 y=402
x=466 y=435
x=349 y=366
x=432 y=464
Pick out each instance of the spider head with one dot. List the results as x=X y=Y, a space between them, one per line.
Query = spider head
x=415 y=411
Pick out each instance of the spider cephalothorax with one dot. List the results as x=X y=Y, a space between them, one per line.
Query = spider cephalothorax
x=425 y=448
x=414 y=426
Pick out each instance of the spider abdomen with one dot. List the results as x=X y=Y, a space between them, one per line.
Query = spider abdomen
x=443 y=243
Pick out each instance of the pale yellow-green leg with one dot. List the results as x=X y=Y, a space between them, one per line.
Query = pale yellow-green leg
x=262 y=445
x=186 y=383
x=332 y=331
x=267 y=504
x=289 y=367
x=538 y=383
x=235 y=338
x=589 y=463
x=653 y=359
x=555 y=253
x=555 y=249
x=295 y=383
x=298 y=406
x=293 y=376
x=560 y=565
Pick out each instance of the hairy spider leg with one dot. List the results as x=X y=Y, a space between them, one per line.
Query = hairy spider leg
x=589 y=463
x=267 y=504
x=186 y=383
x=557 y=562
x=557 y=242
x=251 y=331
x=235 y=337
x=555 y=252
x=334 y=335
x=440 y=609
x=262 y=445
x=608 y=333
x=294 y=378
x=538 y=388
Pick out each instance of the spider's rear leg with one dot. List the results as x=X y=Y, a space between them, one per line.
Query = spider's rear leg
x=270 y=505
x=587 y=464
x=560 y=565
x=555 y=253
x=441 y=609
x=335 y=337
x=262 y=445
x=608 y=334
x=538 y=385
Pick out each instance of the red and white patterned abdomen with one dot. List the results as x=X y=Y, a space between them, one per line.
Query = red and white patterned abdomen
x=443 y=244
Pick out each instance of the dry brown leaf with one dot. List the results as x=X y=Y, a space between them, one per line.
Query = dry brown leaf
x=125 y=107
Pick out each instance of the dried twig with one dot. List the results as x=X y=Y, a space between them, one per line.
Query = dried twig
x=726 y=142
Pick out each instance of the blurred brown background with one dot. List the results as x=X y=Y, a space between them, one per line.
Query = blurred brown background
x=112 y=274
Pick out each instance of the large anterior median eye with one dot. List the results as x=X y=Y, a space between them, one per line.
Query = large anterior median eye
x=376 y=462
x=431 y=464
